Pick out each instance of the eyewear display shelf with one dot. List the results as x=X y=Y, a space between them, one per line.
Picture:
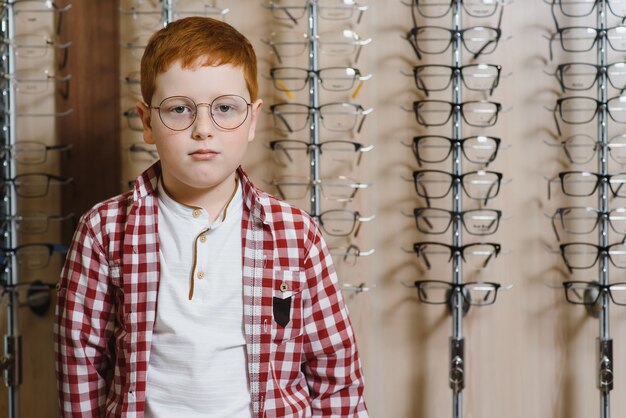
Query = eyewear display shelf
x=312 y=16
x=457 y=304
x=10 y=360
x=605 y=376
x=17 y=17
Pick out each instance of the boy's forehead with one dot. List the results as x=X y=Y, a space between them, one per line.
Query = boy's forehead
x=192 y=76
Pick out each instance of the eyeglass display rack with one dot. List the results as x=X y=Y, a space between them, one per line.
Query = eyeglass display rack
x=605 y=370
x=11 y=360
x=312 y=16
x=457 y=304
x=11 y=280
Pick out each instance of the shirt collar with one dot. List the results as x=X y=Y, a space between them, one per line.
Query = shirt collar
x=198 y=213
x=253 y=198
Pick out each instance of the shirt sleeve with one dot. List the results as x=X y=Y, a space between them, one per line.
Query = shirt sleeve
x=84 y=319
x=333 y=368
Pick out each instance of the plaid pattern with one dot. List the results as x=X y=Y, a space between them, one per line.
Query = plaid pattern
x=106 y=305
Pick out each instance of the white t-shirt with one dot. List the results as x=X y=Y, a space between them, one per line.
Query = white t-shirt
x=197 y=365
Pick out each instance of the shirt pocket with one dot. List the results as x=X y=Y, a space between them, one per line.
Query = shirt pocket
x=287 y=291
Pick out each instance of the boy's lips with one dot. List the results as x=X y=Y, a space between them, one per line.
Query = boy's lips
x=203 y=154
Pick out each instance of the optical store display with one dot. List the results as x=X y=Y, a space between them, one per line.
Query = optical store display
x=34 y=84
x=481 y=79
x=573 y=113
x=316 y=121
x=421 y=160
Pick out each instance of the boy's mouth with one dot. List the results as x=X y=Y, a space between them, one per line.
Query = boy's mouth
x=204 y=154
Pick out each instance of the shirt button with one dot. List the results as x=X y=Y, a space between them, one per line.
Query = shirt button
x=203 y=238
x=200 y=275
x=196 y=213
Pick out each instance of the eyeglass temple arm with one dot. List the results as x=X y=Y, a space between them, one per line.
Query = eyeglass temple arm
x=364 y=115
x=284 y=120
x=550 y=180
x=421 y=254
x=569 y=268
x=556 y=121
x=361 y=10
x=273 y=46
x=556 y=213
x=556 y=22
x=425 y=218
x=498 y=29
x=289 y=15
x=616 y=192
x=488 y=195
x=413 y=44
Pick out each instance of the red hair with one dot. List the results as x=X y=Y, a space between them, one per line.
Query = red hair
x=197 y=41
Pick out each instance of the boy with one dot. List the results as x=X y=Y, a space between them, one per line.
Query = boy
x=196 y=294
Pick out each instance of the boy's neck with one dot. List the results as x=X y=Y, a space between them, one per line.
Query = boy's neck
x=213 y=199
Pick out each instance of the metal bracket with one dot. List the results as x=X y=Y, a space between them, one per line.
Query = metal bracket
x=11 y=362
x=465 y=306
x=457 y=365
x=605 y=365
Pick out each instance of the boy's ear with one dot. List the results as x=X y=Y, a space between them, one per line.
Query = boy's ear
x=144 y=113
x=254 y=117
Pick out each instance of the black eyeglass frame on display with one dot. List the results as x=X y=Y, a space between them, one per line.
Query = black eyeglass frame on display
x=562 y=69
x=463 y=288
x=489 y=44
x=608 y=178
x=599 y=104
x=421 y=85
x=560 y=214
x=461 y=178
x=454 y=143
x=495 y=110
x=600 y=250
x=456 y=250
x=591 y=292
x=452 y=216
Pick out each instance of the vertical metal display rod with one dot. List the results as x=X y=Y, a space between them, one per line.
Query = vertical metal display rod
x=12 y=371
x=168 y=12
x=457 y=366
x=314 y=102
x=605 y=360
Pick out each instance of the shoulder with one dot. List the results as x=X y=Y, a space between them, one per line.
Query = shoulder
x=108 y=213
x=288 y=220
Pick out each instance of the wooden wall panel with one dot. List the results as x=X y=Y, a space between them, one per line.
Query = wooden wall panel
x=93 y=130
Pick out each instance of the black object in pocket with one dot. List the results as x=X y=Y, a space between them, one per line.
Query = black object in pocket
x=282 y=311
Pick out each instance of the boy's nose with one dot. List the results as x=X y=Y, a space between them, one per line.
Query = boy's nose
x=203 y=125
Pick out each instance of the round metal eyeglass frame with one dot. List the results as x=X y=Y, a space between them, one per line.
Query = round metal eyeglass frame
x=195 y=113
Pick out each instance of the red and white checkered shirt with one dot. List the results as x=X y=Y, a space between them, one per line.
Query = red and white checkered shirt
x=302 y=356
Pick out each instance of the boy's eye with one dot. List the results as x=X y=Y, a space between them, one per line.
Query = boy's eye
x=223 y=108
x=180 y=109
